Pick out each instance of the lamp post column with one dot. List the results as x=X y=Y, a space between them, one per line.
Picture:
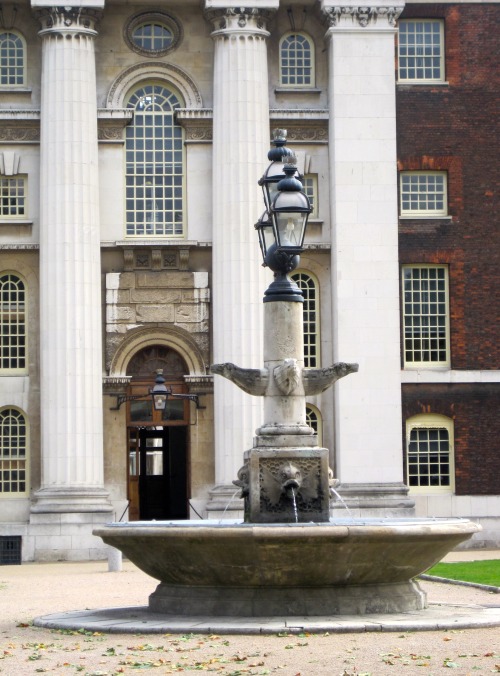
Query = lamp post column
x=70 y=275
x=240 y=141
x=365 y=275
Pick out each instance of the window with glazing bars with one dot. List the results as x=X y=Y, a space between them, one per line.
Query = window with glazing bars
x=12 y=322
x=428 y=457
x=309 y=289
x=314 y=420
x=421 y=50
x=152 y=36
x=154 y=165
x=12 y=56
x=12 y=197
x=296 y=61
x=425 y=316
x=13 y=452
x=310 y=187
x=423 y=193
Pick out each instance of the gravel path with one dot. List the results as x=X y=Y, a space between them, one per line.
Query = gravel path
x=38 y=589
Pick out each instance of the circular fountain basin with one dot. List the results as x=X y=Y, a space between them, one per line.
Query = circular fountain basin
x=231 y=568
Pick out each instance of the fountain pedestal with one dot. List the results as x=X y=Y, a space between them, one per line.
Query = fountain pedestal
x=284 y=483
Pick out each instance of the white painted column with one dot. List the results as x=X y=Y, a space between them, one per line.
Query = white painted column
x=70 y=274
x=241 y=140
x=365 y=286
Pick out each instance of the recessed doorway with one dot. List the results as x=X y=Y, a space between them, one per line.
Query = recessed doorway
x=158 y=448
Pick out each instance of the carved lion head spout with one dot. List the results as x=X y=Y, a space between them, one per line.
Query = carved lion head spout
x=290 y=477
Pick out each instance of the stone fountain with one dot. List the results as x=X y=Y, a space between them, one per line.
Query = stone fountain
x=287 y=557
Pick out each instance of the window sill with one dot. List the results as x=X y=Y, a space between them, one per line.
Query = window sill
x=297 y=90
x=15 y=89
x=424 y=83
x=424 y=217
x=19 y=221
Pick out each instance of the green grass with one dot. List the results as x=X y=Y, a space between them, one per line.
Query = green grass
x=482 y=572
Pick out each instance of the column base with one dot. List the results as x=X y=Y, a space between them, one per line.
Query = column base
x=373 y=500
x=66 y=500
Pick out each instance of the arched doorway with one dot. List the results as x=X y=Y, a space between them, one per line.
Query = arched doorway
x=158 y=453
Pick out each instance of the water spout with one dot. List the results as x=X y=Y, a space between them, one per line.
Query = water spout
x=228 y=504
x=342 y=501
x=294 y=503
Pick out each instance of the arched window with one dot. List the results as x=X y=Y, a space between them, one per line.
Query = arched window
x=154 y=164
x=296 y=60
x=12 y=322
x=12 y=59
x=310 y=289
x=314 y=420
x=13 y=453
x=430 y=466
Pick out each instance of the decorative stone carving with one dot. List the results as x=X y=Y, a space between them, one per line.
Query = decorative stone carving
x=154 y=70
x=318 y=380
x=363 y=15
x=19 y=134
x=69 y=19
x=287 y=376
x=238 y=18
x=251 y=381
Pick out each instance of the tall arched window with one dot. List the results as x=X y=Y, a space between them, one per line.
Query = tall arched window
x=430 y=466
x=154 y=164
x=12 y=322
x=296 y=60
x=12 y=59
x=310 y=289
x=13 y=452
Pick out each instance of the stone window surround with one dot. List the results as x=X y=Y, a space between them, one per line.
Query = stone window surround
x=158 y=16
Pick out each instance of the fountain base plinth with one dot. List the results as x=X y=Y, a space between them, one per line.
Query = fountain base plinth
x=177 y=600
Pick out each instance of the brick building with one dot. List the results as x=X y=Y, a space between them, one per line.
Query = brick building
x=132 y=137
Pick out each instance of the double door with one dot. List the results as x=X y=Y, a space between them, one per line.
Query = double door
x=158 y=473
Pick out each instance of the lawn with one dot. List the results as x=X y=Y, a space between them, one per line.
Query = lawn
x=482 y=572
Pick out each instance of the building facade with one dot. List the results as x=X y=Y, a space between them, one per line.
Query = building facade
x=132 y=137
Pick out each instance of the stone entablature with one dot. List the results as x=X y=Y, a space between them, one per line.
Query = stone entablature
x=23 y=126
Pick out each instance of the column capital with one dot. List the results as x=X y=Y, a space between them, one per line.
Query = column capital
x=226 y=19
x=350 y=15
x=68 y=20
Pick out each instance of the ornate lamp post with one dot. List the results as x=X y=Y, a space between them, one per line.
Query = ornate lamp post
x=285 y=476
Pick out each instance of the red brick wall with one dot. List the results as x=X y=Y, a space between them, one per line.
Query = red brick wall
x=475 y=412
x=454 y=127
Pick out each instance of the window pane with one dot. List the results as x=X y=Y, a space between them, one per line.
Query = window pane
x=154 y=152
x=425 y=325
x=296 y=58
x=310 y=318
x=421 y=51
x=13 y=451
x=428 y=457
x=11 y=59
x=423 y=193
x=12 y=323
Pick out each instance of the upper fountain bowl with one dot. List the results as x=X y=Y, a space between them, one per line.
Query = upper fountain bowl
x=346 y=566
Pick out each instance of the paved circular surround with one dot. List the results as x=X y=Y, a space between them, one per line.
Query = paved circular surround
x=139 y=620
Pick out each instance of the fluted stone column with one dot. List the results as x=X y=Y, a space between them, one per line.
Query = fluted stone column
x=70 y=275
x=240 y=145
x=365 y=277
